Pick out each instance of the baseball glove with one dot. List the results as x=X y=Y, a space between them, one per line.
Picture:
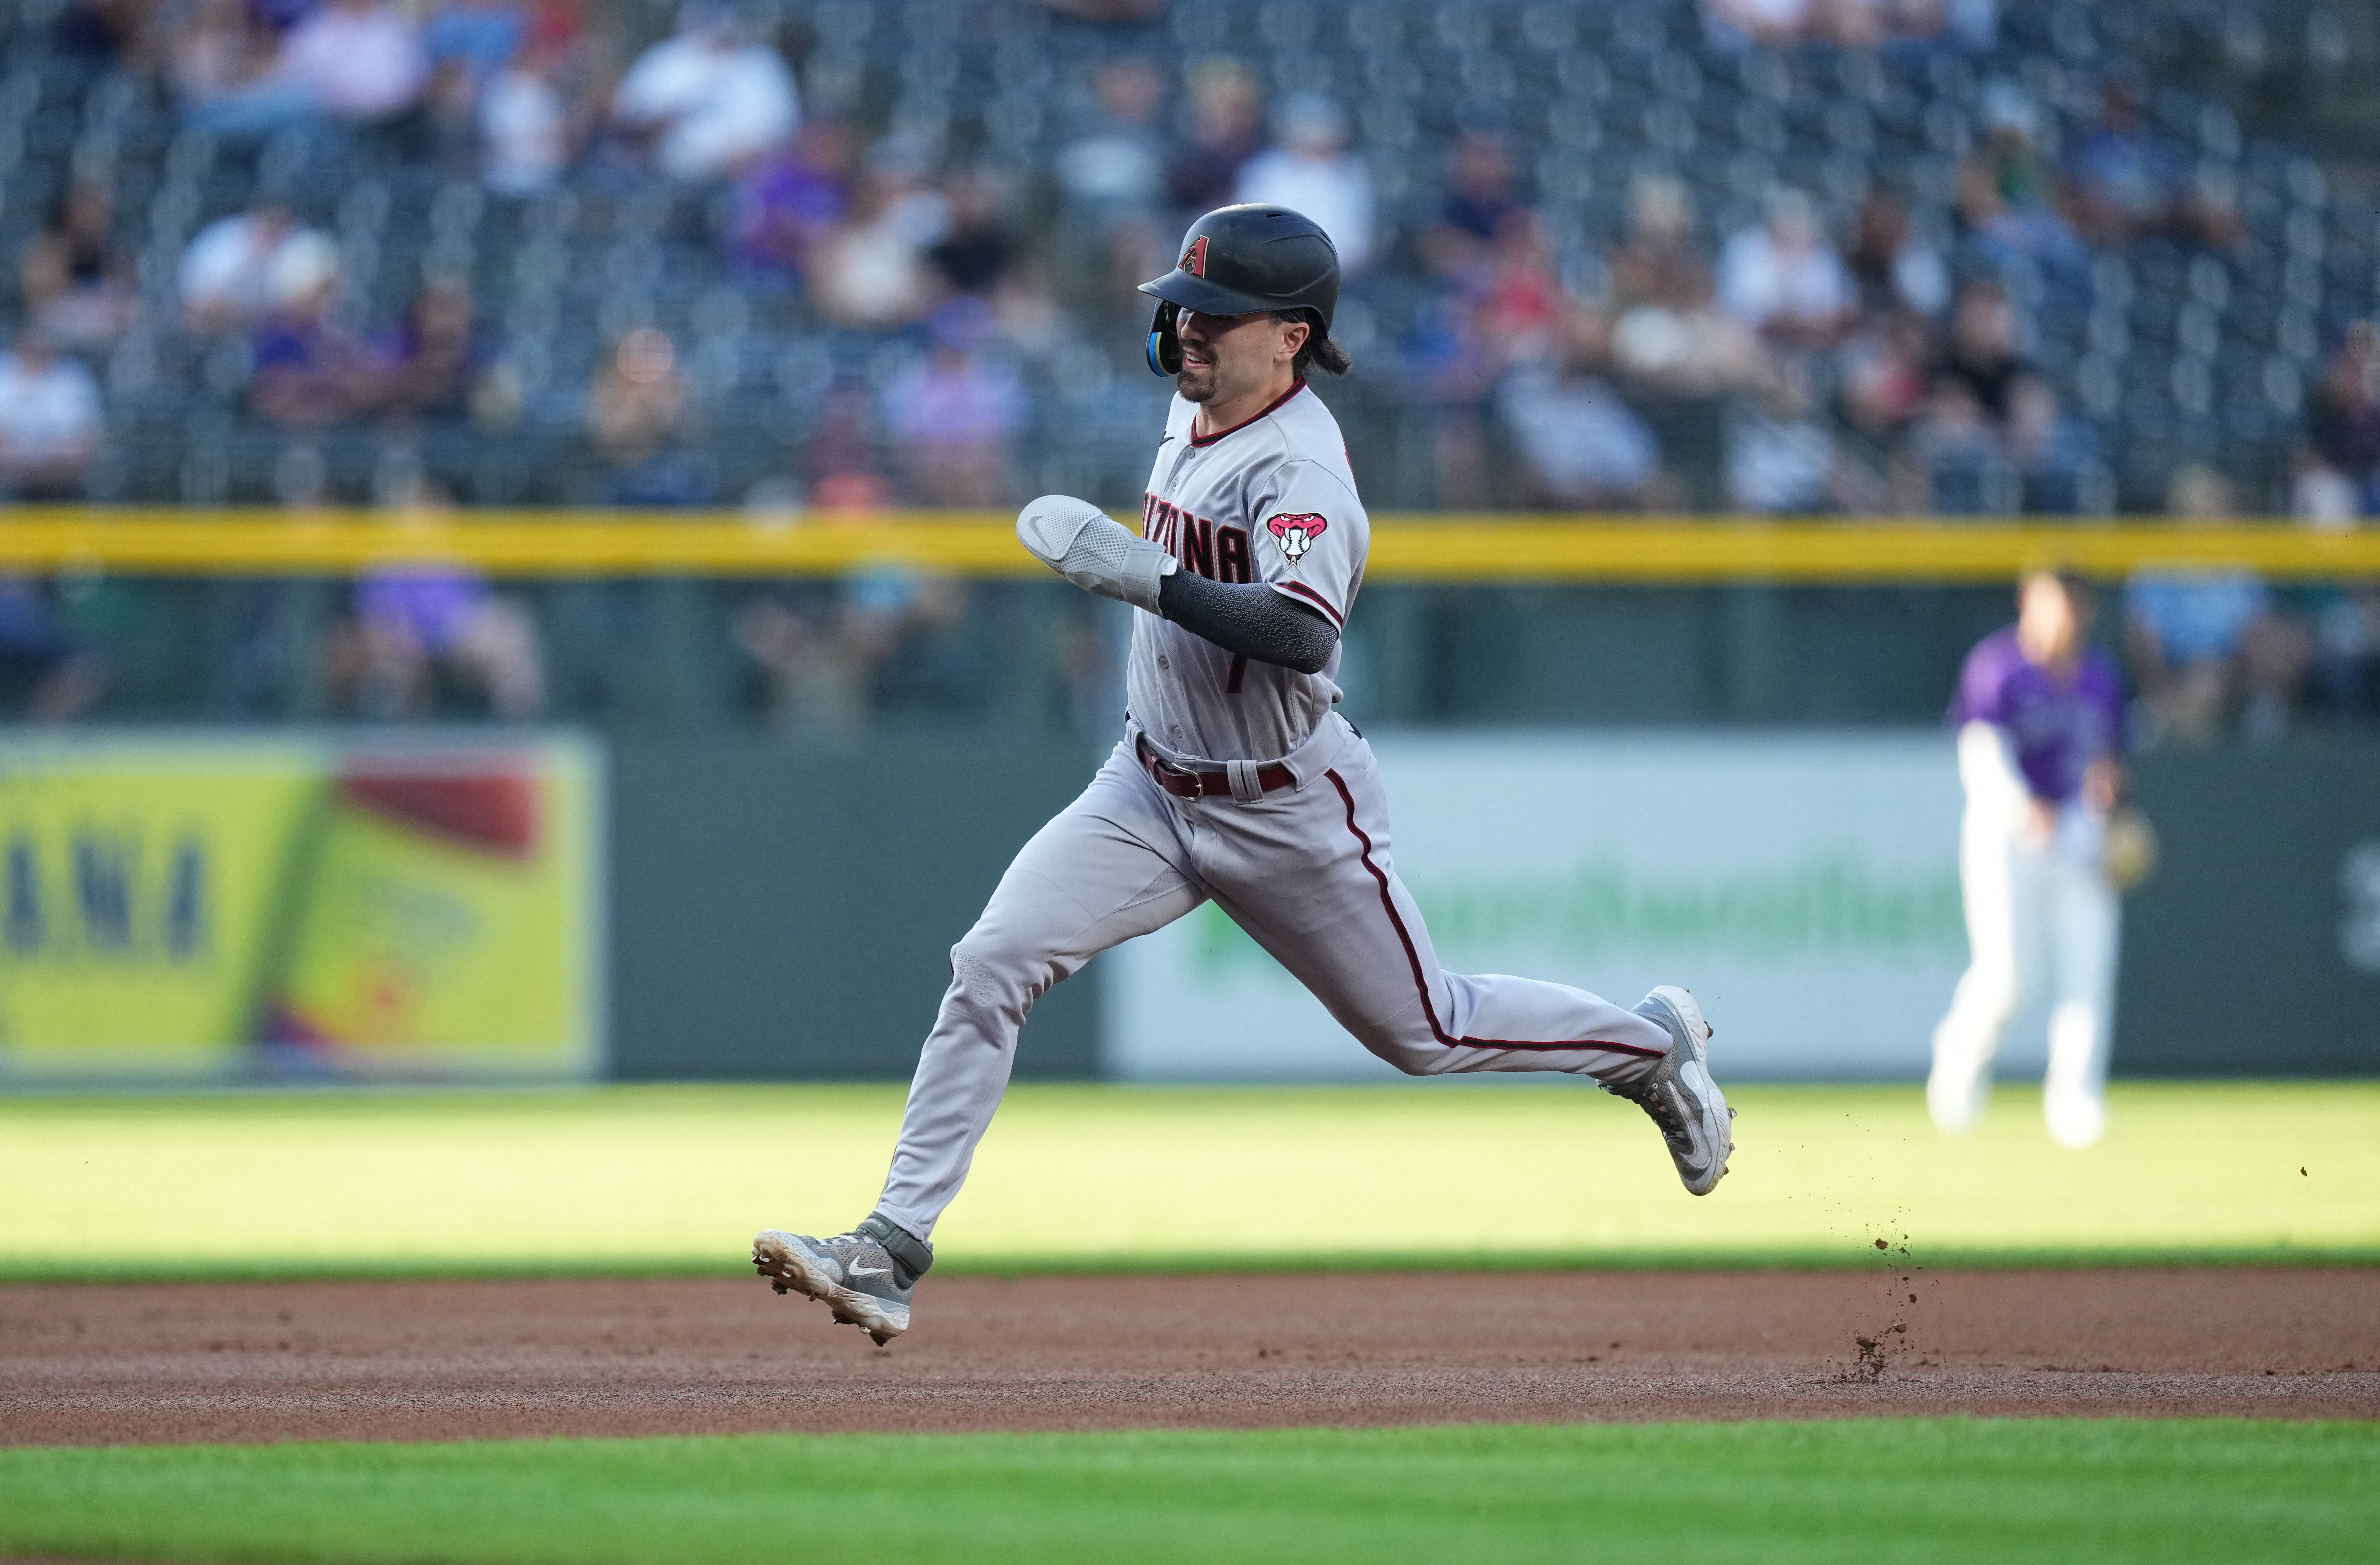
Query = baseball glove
x=2128 y=855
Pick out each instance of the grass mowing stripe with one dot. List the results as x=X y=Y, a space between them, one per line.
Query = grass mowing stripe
x=1936 y=1490
x=670 y=1179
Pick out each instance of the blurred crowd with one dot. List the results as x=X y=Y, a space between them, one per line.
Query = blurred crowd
x=1857 y=355
x=1839 y=352
x=1794 y=365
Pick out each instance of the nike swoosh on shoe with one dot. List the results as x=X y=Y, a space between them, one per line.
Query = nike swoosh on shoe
x=1694 y=1127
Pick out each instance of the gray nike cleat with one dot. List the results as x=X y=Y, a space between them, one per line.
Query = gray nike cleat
x=866 y=1276
x=1680 y=1095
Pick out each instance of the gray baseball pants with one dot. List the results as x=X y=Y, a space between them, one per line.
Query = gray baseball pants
x=1307 y=872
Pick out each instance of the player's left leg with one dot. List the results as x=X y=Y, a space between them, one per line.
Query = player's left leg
x=2001 y=885
x=2086 y=926
x=1310 y=878
x=1109 y=867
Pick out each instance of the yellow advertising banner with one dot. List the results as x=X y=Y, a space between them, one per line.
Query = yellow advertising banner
x=235 y=908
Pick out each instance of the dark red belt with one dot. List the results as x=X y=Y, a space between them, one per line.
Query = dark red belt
x=1203 y=782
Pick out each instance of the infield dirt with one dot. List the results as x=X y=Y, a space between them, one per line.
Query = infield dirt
x=452 y=1360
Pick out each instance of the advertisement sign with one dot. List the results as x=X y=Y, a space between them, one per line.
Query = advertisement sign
x=1804 y=887
x=236 y=907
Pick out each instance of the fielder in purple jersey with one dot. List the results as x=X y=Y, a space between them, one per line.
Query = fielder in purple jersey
x=2057 y=727
x=2040 y=717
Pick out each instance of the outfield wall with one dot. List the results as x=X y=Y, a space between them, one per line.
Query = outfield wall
x=781 y=914
x=740 y=907
x=784 y=912
x=2256 y=950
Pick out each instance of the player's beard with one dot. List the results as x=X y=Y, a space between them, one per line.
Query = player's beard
x=1197 y=383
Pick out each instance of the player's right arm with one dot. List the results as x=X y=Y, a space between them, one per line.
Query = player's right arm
x=1994 y=783
x=1100 y=555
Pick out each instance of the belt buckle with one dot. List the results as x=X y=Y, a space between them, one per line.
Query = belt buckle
x=1162 y=769
x=1191 y=774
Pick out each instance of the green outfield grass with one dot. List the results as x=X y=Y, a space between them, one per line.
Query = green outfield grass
x=1936 y=1490
x=678 y=1178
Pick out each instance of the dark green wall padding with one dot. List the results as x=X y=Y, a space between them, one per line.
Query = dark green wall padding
x=2235 y=956
x=779 y=911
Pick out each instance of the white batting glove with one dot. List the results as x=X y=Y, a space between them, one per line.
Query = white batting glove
x=1095 y=552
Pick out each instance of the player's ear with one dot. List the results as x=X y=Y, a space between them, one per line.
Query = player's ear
x=1292 y=338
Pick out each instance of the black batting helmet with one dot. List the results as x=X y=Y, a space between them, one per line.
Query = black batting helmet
x=1241 y=260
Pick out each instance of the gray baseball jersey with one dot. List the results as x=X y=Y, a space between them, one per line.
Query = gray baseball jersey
x=1301 y=862
x=1272 y=501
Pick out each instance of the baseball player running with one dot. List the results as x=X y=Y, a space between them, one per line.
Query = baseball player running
x=1235 y=780
x=2040 y=719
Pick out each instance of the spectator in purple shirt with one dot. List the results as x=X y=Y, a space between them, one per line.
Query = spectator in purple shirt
x=2039 y=713
x=414 y=623
x=955 y=415
x=785 y=203
x=313 y=369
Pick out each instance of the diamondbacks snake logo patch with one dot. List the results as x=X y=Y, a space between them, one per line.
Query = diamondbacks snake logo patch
x=1296 y=533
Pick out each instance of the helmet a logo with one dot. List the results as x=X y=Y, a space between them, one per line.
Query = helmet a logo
x=1296 y=533
x=1194 y=260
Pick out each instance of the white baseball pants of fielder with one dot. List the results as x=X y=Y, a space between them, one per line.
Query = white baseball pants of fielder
x=2034 y=914
x=1307 y=872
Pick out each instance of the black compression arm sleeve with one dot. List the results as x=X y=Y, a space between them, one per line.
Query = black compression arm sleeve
x=1252 y=620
